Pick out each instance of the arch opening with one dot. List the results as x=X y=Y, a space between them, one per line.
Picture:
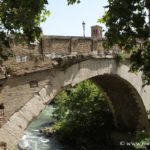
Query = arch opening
x=121 y=86
x=126 y=104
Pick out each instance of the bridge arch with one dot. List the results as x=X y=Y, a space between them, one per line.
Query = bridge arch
x=126 y=104
x=128 y=99
x=124 y=98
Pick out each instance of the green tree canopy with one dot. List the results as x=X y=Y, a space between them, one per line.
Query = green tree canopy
x=70 y=2
x=21 y=18
x=128 y=25
x=82 y=113
x=126 y=22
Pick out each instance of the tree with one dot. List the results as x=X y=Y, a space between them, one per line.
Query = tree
x=82 y=113
x=127 y=24
x=70 y=2
x=21 y=18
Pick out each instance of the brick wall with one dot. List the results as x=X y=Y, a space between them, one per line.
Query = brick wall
x=24 y=49
x=60 y=45
x=82 y=45
x=57 y=45
x=66 y=45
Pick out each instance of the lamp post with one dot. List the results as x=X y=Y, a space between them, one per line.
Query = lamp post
x=83 y=25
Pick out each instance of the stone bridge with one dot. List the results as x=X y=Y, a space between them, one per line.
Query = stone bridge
x=25 y=95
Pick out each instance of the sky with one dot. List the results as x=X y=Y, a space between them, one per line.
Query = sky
x=67 y=20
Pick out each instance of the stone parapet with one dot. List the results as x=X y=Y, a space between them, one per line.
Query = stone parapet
x=69 y=44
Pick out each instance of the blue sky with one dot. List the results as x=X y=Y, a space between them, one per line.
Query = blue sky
x=67 y=20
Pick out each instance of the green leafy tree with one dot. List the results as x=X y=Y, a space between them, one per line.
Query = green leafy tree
x=70 y=2
x=83 y=113
x=128 y=25
x=21 y=18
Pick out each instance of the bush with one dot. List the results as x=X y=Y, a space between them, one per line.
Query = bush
x=82 y=114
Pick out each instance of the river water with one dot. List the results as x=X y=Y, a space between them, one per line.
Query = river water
x=36 y=140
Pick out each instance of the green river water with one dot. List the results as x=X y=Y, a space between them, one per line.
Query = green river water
x=36 y=140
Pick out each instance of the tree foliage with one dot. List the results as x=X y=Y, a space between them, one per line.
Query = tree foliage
x=83 y=113
x=70 y=2
x=128 y=25
x=126 y=22
x=21 y=18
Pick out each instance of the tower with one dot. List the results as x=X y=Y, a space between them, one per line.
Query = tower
x=96 y=32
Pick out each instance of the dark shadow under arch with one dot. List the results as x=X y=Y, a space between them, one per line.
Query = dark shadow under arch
x=127 y=105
